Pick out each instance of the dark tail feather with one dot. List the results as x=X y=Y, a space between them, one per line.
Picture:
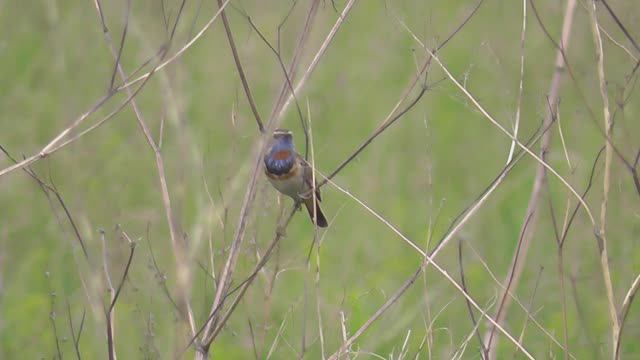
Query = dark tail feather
x=322 y=221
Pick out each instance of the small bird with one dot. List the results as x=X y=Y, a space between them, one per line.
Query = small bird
x=291 y=175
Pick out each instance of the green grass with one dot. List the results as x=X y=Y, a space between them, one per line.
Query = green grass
x=419 y=175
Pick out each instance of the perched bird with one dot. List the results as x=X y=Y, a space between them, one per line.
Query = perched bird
x=291 y=175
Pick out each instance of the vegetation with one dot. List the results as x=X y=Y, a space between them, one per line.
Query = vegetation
x=478 y=163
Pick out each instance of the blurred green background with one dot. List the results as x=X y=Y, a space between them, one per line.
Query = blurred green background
x=419 y=174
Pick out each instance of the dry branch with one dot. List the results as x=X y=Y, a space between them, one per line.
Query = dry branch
x=178 y=243
x=543 y=166
x=236 y=59
x=211 y=325
x=606 y=183
x=428 y=260
x=624 y=311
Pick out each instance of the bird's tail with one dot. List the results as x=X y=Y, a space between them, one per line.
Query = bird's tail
x=322 y=221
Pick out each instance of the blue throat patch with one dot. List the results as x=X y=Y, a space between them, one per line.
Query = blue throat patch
x=280 y=158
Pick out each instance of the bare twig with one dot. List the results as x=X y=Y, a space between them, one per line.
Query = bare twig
x=463 y=217
x=602 y=236
x=287 y=86
x=392 y=300
x=525 y=148
x=179 y=53
x=110 y=289
x=280 y=111
x=46 y=188
x=454 y=231
x=624 y=311
x=522 y=306
x=560 y=254
x=569 y=222
x=617 y=43
x=586 y=103
x=385 y=125
x=461 y=349
x=467 y=214
x=52 y=317
x=428 y=260
x=229 y=267
x=528 y=310
x=161 y=277
x=391 y=118
x=521 y=84
x=543 y=166
x=621 y=26
x=469 y=307
x=244 y=285
x=318 y=313
x=236 y=59
x=56 y=143
x=75 y=337
x=596 y=348
x=105 y=30
x=47 y=149
x=343 y=328
x=182 y=267
x=251 y=191
x=115 y=293
x=538 y=159
x=504 y=299
x=274 y=344
x=253 y=340
x=562 y=141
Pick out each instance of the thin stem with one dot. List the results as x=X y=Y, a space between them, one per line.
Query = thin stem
x=236 y=59
x=606 y=183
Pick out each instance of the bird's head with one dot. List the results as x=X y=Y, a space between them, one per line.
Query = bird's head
x=283 y=136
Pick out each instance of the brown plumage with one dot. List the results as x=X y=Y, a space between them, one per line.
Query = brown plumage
x=322 y=221
x=291 y=175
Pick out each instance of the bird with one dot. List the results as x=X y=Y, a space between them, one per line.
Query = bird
x=291 y=174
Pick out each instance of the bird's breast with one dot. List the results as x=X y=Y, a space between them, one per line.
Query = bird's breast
x=279 y=162
x=291 y=183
